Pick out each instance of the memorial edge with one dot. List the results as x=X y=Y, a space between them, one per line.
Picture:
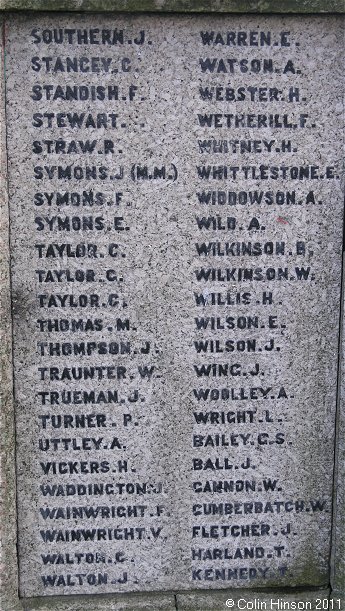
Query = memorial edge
x=338 y=543
x=165 y=601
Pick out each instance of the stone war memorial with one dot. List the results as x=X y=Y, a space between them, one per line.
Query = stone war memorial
x=172 y=195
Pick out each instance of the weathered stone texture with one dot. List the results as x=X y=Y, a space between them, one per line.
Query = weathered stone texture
x=151 y=143
x=178 y=6
x=8 y=518
x=131 y=602
x=239 y=600
x=338 y=552
x=158 y=262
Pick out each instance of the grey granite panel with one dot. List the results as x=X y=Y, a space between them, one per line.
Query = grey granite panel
x=249 y=601
x=178 y=6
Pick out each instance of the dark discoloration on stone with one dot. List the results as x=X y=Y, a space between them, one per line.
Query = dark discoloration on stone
x=215 y=601
x=338 y=550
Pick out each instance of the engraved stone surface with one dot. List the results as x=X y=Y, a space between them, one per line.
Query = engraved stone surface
x=176 y=221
